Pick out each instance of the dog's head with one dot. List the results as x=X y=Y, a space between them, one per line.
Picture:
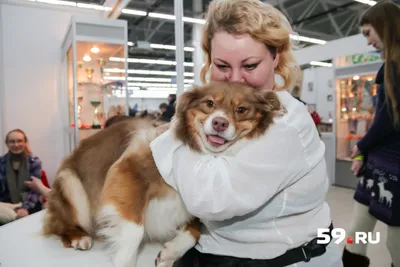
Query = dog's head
x=213 y=117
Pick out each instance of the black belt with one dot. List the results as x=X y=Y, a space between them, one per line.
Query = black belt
x=303 y=253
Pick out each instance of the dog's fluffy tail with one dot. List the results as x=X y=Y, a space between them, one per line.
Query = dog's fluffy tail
x=68 y=205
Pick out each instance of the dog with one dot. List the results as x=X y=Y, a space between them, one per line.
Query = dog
x=8 y=213
x=135 y=204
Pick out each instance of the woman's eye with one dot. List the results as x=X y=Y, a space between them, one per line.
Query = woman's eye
x=222 y=67
x=210 y=103
x=250 y=66
x=240 y=110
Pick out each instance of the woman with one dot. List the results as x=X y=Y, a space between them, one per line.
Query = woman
x=377 y=194
x=262 y=206
x=17 y=167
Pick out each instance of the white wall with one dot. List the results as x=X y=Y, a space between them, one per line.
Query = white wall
x=31 y=39
x=323 y=84
x=341 y=47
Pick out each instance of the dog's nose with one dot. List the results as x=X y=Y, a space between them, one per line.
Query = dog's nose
x=220 y=124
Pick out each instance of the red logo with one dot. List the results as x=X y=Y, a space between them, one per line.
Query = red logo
x=349 y=240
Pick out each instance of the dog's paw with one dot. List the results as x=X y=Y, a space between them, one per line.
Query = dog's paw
x=167 y=256
x=82 y=243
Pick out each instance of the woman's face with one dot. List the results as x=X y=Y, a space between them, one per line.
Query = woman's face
x=372 y=36
x=16 y=142
x=240 y=58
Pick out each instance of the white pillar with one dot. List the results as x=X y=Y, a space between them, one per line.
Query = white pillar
x=198 y=58
x=179 y=43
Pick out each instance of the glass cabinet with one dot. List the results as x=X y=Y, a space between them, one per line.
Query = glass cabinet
x=92 y=47
x=356 y=102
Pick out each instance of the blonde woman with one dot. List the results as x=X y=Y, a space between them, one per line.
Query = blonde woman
x=264 y=206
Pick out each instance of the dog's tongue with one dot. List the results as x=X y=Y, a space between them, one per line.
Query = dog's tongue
x=216 y=139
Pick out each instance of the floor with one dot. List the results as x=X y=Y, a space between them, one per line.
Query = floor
x=341 y=203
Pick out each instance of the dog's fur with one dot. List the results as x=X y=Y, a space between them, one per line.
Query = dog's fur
x=136 y=204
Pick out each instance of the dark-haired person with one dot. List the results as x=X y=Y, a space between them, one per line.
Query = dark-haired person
x=378 y=194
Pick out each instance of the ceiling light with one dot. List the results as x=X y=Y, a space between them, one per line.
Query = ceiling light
x=133 y=12
x=321 y=64
x=307 y=39
x=148 y=72
x=170 y=47
x=87 y=58
x=193 y=20
x=172 y=17
x=165 y=85
x=95 y=50
x=145 y=79
x=146 y=94
x=150 y=61
x=57 y=2
x=161 y=16
x=356 y=78
x=367 y=2
x=92 y=6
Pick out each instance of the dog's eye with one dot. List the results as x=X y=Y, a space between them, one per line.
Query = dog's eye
x=210 y=103
x=240 y=110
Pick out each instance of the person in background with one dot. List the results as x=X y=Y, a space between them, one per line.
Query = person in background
x=163 y=109
x=376 y=158
x=170 y=110
x=17 y=166
x=264 y=205
x=296 y=93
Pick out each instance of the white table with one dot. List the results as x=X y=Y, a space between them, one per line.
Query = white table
x=21 y=245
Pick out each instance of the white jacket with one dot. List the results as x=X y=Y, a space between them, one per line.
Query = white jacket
x=267 y=199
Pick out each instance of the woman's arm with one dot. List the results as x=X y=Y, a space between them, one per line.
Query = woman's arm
x=221 y=187
x=380 y=128
x=383 y=124
x=32 y=196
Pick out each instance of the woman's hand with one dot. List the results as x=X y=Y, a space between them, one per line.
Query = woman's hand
x=356 y=166
x=355 y=152
x=35 y=185
x=22 y=213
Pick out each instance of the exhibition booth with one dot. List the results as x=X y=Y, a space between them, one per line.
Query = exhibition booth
x=344 y=94
x=74 y=75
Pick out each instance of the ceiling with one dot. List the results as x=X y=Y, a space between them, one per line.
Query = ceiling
x=321 y=19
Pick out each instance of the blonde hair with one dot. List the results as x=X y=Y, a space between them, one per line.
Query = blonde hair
x=262 y=22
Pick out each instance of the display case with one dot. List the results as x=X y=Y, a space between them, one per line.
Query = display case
x=90 y=47
x=356 y=102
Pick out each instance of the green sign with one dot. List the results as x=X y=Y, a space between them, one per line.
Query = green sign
x=360 y=59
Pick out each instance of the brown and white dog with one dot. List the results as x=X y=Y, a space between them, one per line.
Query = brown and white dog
x=135 y=204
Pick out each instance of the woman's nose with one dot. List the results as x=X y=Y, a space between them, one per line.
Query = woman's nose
x=236 y=76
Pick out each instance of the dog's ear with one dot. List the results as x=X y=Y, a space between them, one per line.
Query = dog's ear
x=269 y=100
x=186 y=100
